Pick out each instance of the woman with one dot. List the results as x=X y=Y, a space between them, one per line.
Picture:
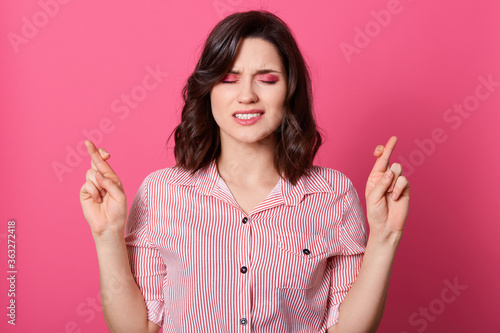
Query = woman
x=244 y=233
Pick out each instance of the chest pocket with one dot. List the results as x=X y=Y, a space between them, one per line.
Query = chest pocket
x=301 y=260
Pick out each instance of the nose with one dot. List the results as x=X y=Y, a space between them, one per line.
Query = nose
x=247 y=93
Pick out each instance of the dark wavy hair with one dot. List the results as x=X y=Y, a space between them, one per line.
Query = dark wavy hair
x=197 y=140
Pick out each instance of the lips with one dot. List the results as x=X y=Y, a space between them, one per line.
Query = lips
x=248 y=117
x=249 y=112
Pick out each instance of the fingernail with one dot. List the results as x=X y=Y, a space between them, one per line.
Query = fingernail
x=393 y=196
x=99 y=199
x=104 y=151
x=388 y=174
x=103 y=192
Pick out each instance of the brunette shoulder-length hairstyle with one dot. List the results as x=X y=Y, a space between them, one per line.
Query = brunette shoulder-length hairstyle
x=197 y=140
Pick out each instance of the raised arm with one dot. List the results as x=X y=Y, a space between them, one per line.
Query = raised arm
x=104 y=206
x=387 y=201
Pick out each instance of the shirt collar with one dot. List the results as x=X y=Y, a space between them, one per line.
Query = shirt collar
x=206 y=179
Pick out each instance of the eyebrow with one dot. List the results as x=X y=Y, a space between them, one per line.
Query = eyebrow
x=260 y=71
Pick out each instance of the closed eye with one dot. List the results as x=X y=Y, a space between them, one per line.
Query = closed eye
x=230 y=78
x=230 y=81
x=269 y=78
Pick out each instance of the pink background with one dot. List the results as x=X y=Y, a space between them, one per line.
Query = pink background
x=402 y=76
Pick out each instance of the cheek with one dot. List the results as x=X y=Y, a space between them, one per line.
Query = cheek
x=219 y=97
x=278 y=98
x=215 y=101
x=214 y=96
x=218 y=103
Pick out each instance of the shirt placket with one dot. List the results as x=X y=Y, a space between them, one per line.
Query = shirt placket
x=243 y=260
x=245 y=273
x=244 y=255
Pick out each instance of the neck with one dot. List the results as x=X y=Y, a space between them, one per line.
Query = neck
x=248 y=165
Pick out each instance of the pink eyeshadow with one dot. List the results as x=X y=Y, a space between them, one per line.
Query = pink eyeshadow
x=268 y=77
x=230 y=77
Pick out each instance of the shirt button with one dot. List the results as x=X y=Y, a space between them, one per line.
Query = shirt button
x=245 y=220
x=306 y=252
x=243 y=321
x=243 y=269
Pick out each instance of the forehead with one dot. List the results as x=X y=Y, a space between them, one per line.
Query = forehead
x=256 y=53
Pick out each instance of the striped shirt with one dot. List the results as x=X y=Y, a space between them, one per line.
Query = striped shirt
x=204 y=265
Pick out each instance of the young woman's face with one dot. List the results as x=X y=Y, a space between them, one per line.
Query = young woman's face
x=248 y=104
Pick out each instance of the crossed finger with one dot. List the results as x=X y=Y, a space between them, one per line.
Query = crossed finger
x=97 y=161
x=96 y=188
x=104 y=154
x=92 y=172
x=382 y=162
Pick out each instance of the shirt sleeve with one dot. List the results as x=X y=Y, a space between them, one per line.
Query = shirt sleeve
x=345 y=267
x=146 y=262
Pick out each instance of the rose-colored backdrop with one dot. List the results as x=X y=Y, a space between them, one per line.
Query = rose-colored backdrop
x=112 y=71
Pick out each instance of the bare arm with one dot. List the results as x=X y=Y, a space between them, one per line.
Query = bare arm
x=122 y=302
x=105 y=207
x=387 y=201
x=363 y=307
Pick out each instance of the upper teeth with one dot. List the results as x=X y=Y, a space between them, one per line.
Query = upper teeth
x=246 y=115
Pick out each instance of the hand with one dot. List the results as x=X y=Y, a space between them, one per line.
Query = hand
x=387 y=193
x=102 y=196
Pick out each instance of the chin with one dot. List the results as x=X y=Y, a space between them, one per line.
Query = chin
x=260 y=139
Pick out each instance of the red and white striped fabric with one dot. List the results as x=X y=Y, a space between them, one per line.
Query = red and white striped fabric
x=203 y=265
